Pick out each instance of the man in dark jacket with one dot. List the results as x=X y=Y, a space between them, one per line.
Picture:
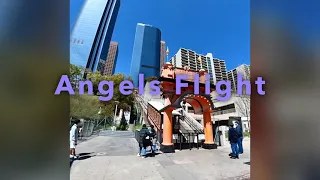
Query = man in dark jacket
x=144 y=138
x=240 y=137
x=233 y=138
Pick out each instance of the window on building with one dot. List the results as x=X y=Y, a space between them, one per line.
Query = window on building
x=74 y=41
x=82 y=42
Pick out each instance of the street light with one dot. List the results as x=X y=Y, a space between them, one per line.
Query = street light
x=115 y=112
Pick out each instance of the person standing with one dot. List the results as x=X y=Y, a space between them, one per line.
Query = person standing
x=233 y=137
x=240 y=137
x=73 y=139
x=153 y=135
x=143 y=140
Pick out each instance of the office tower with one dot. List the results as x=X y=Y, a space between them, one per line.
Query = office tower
x=146 y=52
x=110 y=63
x=162 y=54
x=92 y=32
x=75 y=9
x=243 y=69
x=101 y=66
x=216 y=68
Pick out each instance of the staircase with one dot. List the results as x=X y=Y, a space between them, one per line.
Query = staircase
x=190 y=128
x=143 y=108
x=192 y=123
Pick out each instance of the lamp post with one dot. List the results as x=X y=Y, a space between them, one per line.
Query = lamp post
x=115 y=112
x=105 y=118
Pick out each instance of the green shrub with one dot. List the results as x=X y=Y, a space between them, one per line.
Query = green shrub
x=246 y=134
x=138 y=126
x=123 y=125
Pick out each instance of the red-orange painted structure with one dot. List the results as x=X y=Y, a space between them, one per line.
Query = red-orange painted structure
x=201 y=103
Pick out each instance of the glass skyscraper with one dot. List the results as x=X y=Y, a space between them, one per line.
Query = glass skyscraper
x=91 y=33
x=146 y=52
x=75 y=9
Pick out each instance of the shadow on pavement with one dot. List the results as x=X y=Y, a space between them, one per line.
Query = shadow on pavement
x=85 y=157
x=247 y=163
x=153 y=155
x=82 y=156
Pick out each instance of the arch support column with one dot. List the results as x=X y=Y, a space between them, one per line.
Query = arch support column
x=208 y=131
x=167 y=145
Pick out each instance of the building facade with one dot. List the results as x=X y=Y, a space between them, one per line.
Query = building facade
x=146 y=52
x=236 y=106
x=110 y=64
x=75 y=9
x=92 y=32
x=101 y=66
x=244 y=70
x=162 y=54
x=219 y=69
x=186 y=57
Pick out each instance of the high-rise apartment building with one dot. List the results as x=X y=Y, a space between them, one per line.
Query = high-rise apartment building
x=111 y=61
x=146 y=52
x=244 y=70
x=216 y=68
x=92 y=32
x=219 y=69
x=162 y=54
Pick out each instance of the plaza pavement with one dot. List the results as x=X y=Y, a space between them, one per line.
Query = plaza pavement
x=113 y=157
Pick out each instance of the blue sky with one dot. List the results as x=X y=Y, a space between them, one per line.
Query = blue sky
x=220 y=27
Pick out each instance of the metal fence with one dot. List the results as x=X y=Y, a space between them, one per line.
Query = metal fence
x=90 y=127
x=87 y=128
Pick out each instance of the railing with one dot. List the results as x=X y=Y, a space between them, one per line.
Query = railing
x=194 y=124
x=143 y=107
x=188 y=134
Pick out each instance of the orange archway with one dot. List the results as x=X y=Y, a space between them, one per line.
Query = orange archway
x=201 y=103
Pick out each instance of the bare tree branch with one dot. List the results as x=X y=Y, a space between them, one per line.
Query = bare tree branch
x=243 y=105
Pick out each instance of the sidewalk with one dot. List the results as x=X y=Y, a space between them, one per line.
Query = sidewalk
x=115 y=158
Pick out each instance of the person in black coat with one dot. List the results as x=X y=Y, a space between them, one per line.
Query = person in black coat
x=153 y=135
x=233 y=138
x=144 y=140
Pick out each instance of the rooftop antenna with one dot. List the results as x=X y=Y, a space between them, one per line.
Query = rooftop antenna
x=167 y=52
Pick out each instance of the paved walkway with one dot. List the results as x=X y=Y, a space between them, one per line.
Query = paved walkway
x=113 y=156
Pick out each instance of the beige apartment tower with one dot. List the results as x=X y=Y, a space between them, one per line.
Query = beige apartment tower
x=244 y=70
x=186 y=57
x=111 y=60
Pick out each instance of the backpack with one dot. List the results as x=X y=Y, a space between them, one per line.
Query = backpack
x=146 y=136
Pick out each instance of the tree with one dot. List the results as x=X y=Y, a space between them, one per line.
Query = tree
x=149 y=79
x=87 y=106
x=243 y=100
x=243 y=105
x=84 y=106
x=125 y=101
x=95 y=78
x=75 y=75
x=123 y=124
